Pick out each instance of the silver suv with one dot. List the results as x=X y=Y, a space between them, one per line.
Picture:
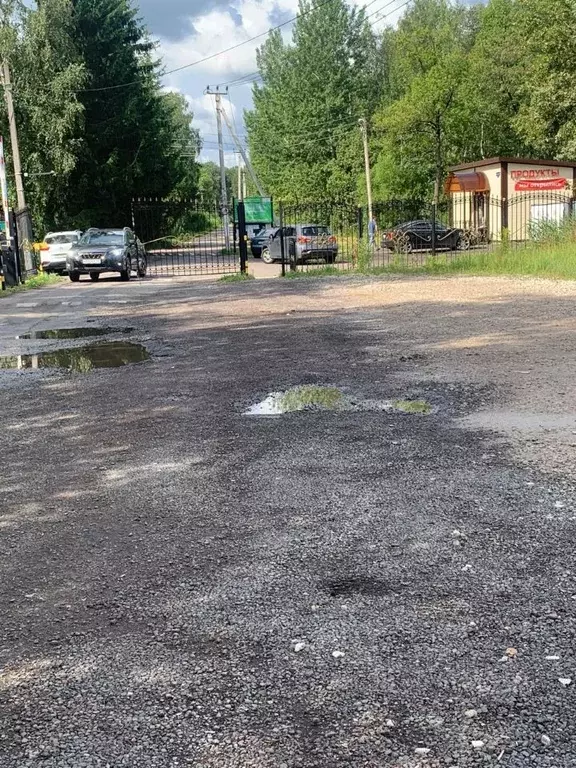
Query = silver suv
x=302 y=242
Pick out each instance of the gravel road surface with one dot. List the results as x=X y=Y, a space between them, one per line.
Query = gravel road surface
x=184 y=585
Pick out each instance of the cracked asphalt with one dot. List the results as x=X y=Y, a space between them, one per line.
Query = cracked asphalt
x=183 y=585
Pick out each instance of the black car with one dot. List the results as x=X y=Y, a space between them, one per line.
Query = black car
x=417 y=235
x=260 y=239
x=106 y=250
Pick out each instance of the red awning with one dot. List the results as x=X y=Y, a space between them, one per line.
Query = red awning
x=466 y=181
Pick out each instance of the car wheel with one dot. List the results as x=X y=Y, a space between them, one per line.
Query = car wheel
x=74 y=276
x=463 y=243
x=330 y=258
x=142 y=267
x=267 y=257
x=126 y=273
x=94 y=276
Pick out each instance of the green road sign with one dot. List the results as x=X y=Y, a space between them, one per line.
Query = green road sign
x=258 y=210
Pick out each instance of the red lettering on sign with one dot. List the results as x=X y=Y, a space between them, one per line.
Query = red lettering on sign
x=528 y=185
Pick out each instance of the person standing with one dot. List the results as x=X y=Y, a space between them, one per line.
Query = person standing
x=372 y=229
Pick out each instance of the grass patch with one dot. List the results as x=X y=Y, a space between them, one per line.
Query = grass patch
x=319 y=272
x=555 y=261
x=311 y=396
x=38 y=281
x=412 y=406
x=236 y=277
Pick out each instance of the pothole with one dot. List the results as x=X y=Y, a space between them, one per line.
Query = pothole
x=358 y=585
x=313 y=397
x=72 y=333
x=108 y=354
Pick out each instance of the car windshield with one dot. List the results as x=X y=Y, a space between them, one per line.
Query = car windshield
x=102 y=237
x=60 y=239
x=313 y=231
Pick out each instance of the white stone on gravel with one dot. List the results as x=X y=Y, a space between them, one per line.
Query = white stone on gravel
x=565 y=681
x=545 y=740
x=337 y=654
x=299 y=647
x=390 y=723
x=422 y=751
x=477 y=744
x=471 y=713
x=552 y=658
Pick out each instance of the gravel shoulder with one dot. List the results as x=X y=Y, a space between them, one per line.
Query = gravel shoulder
x=183 y=585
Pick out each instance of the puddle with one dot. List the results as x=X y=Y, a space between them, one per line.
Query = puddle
x=72 y=333
x=108 y=354
x=311 y=397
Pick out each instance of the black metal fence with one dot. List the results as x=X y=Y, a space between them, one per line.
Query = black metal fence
x=413 y=231
x=185 y=237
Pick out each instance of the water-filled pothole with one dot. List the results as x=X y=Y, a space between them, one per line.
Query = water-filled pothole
x=107 y=354
x=312 y=397
x=72 y=333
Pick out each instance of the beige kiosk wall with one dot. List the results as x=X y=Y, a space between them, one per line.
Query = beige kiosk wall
x=536 y=193
x=463 y=215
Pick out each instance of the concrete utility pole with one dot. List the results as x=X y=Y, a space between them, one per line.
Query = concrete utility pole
x=364 y=131
x=7 y=83
x=239 y=170
x=223 y=192
x=245 y=157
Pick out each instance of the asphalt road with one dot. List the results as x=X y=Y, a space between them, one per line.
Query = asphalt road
x=183 y=585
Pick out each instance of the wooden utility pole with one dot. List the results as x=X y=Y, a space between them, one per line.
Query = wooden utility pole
x=7 y=83
x=364 y=131
x=223 y=193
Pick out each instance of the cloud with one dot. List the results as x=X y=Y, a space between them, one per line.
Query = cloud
x=187 y=35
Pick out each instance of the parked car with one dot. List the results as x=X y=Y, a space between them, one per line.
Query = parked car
x=260 y=239
x=304 y=242
x=55 y=248
x=107 y=250
x=417 y=235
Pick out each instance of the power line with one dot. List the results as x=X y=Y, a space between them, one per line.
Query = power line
x=218 y=53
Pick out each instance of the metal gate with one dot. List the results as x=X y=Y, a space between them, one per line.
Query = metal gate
x=184 y=237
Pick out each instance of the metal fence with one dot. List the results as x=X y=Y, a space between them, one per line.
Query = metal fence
x=185 y=237
x=413 y=231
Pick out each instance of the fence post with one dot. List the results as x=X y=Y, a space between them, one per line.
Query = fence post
x=282 y=248
x=360 y=222
x=242 y=237
x=433 y=222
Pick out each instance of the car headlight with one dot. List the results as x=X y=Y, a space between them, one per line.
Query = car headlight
x=115 y=252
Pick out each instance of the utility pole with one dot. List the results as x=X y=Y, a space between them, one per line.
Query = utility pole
x=364 y=131
x=223 y=192
x=244 y=183
x=245 y=157
x=7 y=83
x=240 y=196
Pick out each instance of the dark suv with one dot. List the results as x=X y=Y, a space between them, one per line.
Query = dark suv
x=302 y=242
x=106 y=250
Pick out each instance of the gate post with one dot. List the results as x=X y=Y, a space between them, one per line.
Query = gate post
x=242 y=236
x=360 y=223
x=433 y=222
x=282 y=244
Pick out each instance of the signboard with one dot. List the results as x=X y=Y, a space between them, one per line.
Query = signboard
x=258 y=210
x=530 y=185
x=4 y=194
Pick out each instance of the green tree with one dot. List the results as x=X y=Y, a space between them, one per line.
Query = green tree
x=136 y=137
x=46 y=71
x=313 y=92
x=547 y=112
x=416 y=133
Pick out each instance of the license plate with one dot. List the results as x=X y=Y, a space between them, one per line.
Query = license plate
x=90 y=262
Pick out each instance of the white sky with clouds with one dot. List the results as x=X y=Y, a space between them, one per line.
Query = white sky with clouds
x=188 y=32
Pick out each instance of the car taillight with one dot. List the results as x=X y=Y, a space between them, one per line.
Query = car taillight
x=332 y=240
x=303 y=240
